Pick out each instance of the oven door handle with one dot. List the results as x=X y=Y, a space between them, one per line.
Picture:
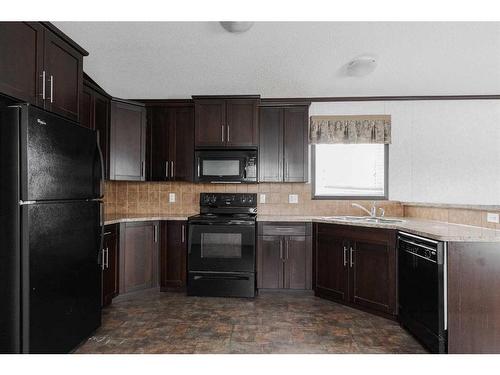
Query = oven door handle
x=220 y=277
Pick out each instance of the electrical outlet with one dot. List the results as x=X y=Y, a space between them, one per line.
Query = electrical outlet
x=492 y=218
x=262 y=198
x=171 y=197
x=293 y=198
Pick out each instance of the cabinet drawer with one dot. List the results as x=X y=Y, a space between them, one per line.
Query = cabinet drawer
x=284 y=229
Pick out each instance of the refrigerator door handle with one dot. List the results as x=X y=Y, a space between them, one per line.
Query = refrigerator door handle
x=101 y=223
x=101 y=168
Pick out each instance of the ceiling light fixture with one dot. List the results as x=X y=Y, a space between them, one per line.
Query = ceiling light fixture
x=361 y=66
x=236 y=27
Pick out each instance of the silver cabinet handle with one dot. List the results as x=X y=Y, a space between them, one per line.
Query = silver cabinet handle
x=103 y=259
x=172 y=170
x=286 y=170
x=351 y=257
x=43 y=85
x=143 y=166
x=222 y=133
x=166 y=169
x=228 y=133
x=155 y=234
x=51 y=88
x=287 y=248
x=107 y=257
x=345 y=256
x=183 y=233
x=281 y=249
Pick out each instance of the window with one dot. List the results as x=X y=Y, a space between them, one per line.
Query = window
x=346 y=171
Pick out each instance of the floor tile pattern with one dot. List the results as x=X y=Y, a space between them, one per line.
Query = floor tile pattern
x=274 y=322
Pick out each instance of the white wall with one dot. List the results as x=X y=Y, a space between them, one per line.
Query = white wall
x=441 y=151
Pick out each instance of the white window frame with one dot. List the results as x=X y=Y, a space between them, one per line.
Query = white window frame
x=385 y=196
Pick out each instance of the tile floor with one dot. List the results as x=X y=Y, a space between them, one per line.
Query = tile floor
x=274 y=322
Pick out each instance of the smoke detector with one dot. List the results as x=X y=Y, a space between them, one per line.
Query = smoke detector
x=361 y=66
x=236 y=27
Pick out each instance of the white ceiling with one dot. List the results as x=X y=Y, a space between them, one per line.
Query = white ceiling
x=290 y=59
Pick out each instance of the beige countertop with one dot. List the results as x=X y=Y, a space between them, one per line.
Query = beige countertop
x=427 y=228
x=126 y=218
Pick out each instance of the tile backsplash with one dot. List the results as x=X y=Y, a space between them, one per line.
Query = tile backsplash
x=122 y=197
x=153 y=198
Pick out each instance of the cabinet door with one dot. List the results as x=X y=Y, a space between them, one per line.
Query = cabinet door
x=298 y=264
x=63 y=66
x=210 y=123
x=373 y=274
x=110 y=272
x=183 y=148
x=21 y=62
x=101 y=124
x=295 y=144
x=173 y=255
x=271 y=144
x=138 y=256
x=270 y=254
x=331 y=266
x=87 y=108
x=127 y=148
x=241 y=123
x=159 y=121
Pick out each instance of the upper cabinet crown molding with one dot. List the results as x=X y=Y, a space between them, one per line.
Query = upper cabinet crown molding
x=51 y=73
x=226 y=121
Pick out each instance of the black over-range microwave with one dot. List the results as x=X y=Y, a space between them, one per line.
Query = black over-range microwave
x=226 y=166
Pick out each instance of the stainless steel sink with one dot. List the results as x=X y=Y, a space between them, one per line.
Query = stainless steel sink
x=367 y=219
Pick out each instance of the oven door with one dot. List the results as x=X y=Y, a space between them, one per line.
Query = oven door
x=221 y=247
x=225 y=166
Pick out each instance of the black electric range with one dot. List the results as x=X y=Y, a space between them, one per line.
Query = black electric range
x=221 y=246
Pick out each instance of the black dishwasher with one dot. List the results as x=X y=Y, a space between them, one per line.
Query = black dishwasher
x=422 y=290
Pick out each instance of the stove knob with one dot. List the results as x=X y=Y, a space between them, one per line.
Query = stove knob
x=427 y=254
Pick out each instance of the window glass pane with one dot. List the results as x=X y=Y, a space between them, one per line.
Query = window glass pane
x=221 y=167
x=350 y=170
x=221 y=245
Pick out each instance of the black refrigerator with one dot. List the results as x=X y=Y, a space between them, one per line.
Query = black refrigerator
x=51 y=180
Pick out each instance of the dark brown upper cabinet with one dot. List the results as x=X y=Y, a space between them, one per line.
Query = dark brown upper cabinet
x=21 y=41
x=170 y=145
x=356 y=266
x=127 y=155
x=283 y=147
x=94 y=114
x=226 y=121
x=42 y=66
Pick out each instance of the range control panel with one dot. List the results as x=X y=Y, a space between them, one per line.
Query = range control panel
x=228 y=199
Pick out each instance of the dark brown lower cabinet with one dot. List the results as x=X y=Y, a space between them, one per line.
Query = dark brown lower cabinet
x=173 y=253
x=473 y=297
x=331 y=271
x=138 y=256
x=356 y=266
x=284 y=256
x=110 y=266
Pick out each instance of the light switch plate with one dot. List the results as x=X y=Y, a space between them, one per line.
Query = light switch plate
x=293 y=198
x=171 y=197
x=262 y=198
x=492 y=218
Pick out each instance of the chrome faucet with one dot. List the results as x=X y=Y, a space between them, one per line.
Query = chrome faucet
x=373 y=209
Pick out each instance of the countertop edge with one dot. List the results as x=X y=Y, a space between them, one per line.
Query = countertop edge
x=492 y=234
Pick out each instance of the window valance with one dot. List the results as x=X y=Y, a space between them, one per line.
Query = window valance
x=350 y=129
